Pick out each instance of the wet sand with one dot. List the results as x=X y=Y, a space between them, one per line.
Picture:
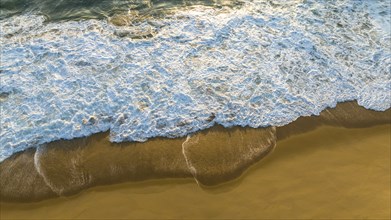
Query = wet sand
x=212 y=157
x=327 y=173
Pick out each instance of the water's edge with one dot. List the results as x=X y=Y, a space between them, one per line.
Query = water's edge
x=258 y=65
x=211 y=157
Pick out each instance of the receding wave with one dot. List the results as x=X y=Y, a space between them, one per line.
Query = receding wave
x=211 y=157
x=88 y=9
x=263 y=64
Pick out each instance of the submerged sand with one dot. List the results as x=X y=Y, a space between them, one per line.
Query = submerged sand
x=210 y=157
x=327 y=173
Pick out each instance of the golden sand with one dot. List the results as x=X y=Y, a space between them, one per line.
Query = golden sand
x=328 y=173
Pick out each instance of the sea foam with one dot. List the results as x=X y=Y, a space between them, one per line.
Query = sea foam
x=264 y=64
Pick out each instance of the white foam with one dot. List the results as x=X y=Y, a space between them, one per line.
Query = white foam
x=264 y=64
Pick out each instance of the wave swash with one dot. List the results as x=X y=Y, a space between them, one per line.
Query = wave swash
x=258 y=64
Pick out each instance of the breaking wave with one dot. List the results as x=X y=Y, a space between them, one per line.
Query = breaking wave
x=263 y=64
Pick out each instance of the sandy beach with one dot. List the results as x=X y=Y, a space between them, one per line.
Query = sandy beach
x=328 y=173
x=207 y=109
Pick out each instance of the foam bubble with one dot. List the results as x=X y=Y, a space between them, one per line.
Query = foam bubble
x=261 y=65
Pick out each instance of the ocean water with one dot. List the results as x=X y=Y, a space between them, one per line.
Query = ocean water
x=143 y=69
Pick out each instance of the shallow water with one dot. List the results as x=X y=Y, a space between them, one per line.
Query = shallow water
x=262 y=64
x=328 y=173
x=212 y=156
x=55 y=10
x=143 y=69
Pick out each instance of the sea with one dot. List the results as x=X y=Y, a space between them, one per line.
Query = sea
x=152 y=68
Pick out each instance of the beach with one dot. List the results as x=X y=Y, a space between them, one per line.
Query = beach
x=333 y=173
x=204 y=109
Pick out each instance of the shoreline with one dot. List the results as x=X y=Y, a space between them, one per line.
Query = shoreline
x=212 y=157
x=330 y=172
